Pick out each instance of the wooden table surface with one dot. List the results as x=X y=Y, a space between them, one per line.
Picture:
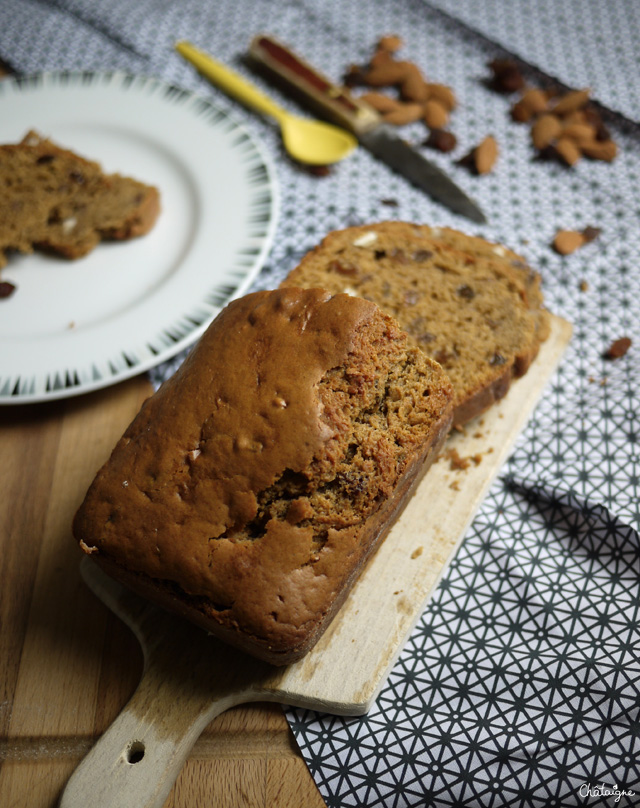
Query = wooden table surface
x=68 y=665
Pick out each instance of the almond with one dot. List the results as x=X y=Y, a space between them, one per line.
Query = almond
x=536 y=100
x=545 y=130
x=600 y=150
x=444 y=95
x=413 y=87
x=385 y=73
x=403 y=114
x=580 y=132
x=571 y=101
x=435 y=115
x=485 y=155
x=380 y=102
x=390 y=43
x=568 y=241
x=567 y=150
x=532 y=102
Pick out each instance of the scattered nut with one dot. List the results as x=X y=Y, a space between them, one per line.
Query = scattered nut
x=545 y=130
x=390 y=43
x=618 y=348
x=483 y=157
x=567 y=241
x=443 y=94
x=380 y=102
x=6 y=289
x=567 y=151
x=435 y=115
x=507 y=77
x=404 y=114
x=441 y=140
x=415 y=97
x=571 y=101
x=600 y=150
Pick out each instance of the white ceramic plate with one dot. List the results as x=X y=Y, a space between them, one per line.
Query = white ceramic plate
x=75 y=326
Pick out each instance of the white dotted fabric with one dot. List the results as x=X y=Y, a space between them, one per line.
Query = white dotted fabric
x=521 y=683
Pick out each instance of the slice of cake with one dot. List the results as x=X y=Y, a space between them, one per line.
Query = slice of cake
x=474 y=308
x=253 y=486
x=54 y=200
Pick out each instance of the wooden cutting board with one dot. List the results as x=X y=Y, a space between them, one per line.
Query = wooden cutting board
x=189 y=678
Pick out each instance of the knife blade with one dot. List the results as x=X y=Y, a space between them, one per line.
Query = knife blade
x=339 y=105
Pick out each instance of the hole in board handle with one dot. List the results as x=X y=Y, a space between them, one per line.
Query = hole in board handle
x=134 y=752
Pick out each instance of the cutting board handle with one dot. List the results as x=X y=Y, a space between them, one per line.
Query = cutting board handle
x=185 y=684
x=137 y=760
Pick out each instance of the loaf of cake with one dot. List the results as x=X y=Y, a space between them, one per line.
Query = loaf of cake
x=57 y=201
x=474 y=307
x=250 y=490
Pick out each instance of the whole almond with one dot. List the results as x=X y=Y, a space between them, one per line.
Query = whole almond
x=486 y=154
x=545 y=130
x=567 y=150
x=571 y=101
x=413 y=87
x=443 y=94
x=386 y=73
x=567 y=241
x=435 y=114
x=403 y=114
x=380 y=102
x=535 y=100
x=390 y=43
x=580 y=132
x=600 y=150
x=521 y=112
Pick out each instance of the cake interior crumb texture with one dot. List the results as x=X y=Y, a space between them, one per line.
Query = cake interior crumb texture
x=474 y=307
x=54 y=200
x=252 y=487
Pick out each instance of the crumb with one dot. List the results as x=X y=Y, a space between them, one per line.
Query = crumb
x=455 y=485
x=391 y=203
x=477 y=459
x=417 y=552
x=457 y=463
x=584 y=286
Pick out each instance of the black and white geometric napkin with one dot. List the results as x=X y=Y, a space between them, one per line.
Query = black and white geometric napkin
x=520 y=686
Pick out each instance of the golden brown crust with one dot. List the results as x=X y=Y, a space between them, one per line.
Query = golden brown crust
x=252 y=487
x=57 y=201
x=474 y=306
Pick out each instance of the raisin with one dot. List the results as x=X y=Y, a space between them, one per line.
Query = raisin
x=44 y=159
x=6 y=289
x=497 y=359
x=466 y=292
x=441 y=140
x=422 y=255
x=618 y=348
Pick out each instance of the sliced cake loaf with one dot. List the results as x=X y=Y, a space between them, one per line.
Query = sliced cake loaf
x=252 y=487
x=471 y=307
x=52 y=199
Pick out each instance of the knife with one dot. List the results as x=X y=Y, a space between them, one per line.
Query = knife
x=350 y=112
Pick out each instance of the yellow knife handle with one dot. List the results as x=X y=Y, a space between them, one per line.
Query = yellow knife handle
x=328 y=99
x=229 y=81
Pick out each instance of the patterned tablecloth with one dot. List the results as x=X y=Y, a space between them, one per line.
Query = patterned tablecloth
x=521 y=684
